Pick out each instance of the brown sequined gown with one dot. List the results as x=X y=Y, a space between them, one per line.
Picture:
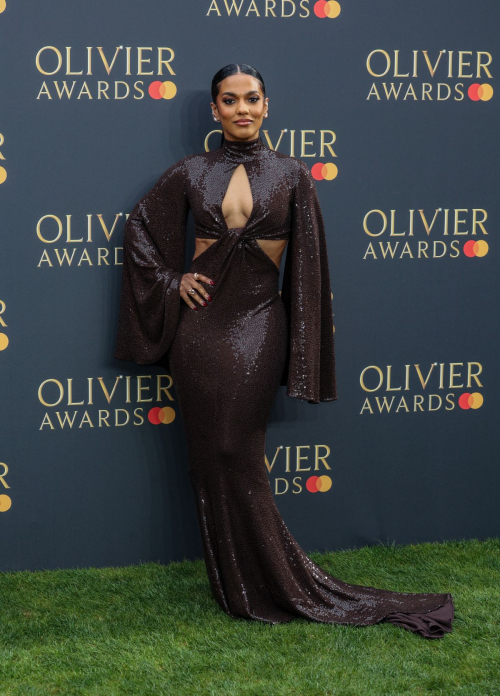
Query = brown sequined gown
x=228 y=360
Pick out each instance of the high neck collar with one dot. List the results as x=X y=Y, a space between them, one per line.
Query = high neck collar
x=243 y=149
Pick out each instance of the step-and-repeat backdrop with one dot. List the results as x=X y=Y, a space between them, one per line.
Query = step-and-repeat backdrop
x=392 y=106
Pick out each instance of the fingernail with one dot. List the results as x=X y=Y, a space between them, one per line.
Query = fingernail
x=209 y=298
x=204 y=304
x=212 y=282
x=195 y=308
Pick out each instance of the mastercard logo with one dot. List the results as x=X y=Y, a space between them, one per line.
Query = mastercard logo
x=162 y=90
x=479 y=248
x=467 y=400
x=4 y=341
x=3 y=5
x=163 y=415
x=326 y=171
x=5 y=503
x=330 y=9
x=479 y=92
x=318 y=483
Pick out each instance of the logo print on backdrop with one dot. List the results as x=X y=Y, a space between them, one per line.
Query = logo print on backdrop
x=4 y=339
x=3 y=171
x=122 y=61
x=298 y=143
x=84 y=244
x=114 y=407
x=5 y=500
x=424 y=390
x=417 y=66
x=3 y=5
x=306 y=480
x=324 y=9
x=274 y=8
x=407 y=235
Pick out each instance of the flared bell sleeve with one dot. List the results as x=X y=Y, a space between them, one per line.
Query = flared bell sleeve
x=306 y=294
x=153 y=263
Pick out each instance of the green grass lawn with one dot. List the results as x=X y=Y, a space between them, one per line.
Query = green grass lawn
x=153 y=629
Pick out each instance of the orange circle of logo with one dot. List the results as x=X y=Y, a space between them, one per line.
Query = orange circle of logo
x=3 y=174
x=5 y=503
x=486 y=92
x=476 y=400
x=324 y=483
x=481 y=248
x=4 y=341
x=3 y=5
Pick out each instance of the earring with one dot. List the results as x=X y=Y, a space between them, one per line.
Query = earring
x=215 y=118
x=266 y=115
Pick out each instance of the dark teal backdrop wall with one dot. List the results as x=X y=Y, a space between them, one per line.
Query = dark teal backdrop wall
x=393 y=107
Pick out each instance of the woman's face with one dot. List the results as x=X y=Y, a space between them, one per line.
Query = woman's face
x=240 y=107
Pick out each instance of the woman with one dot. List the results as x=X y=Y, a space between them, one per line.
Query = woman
x=230 y=340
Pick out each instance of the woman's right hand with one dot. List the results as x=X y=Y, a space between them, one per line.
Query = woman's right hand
x=188 y=282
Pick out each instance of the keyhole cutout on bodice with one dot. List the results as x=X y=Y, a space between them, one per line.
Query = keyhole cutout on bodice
x=237 y=205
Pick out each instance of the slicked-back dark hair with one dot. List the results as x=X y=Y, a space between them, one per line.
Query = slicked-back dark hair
x=234 y=69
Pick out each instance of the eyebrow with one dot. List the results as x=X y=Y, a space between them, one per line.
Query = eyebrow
x=232 y=94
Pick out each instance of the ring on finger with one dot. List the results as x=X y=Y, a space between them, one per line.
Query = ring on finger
x=196 y=275
x=192 y=291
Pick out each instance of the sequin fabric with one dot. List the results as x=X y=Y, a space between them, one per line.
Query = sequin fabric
x=228 y=360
